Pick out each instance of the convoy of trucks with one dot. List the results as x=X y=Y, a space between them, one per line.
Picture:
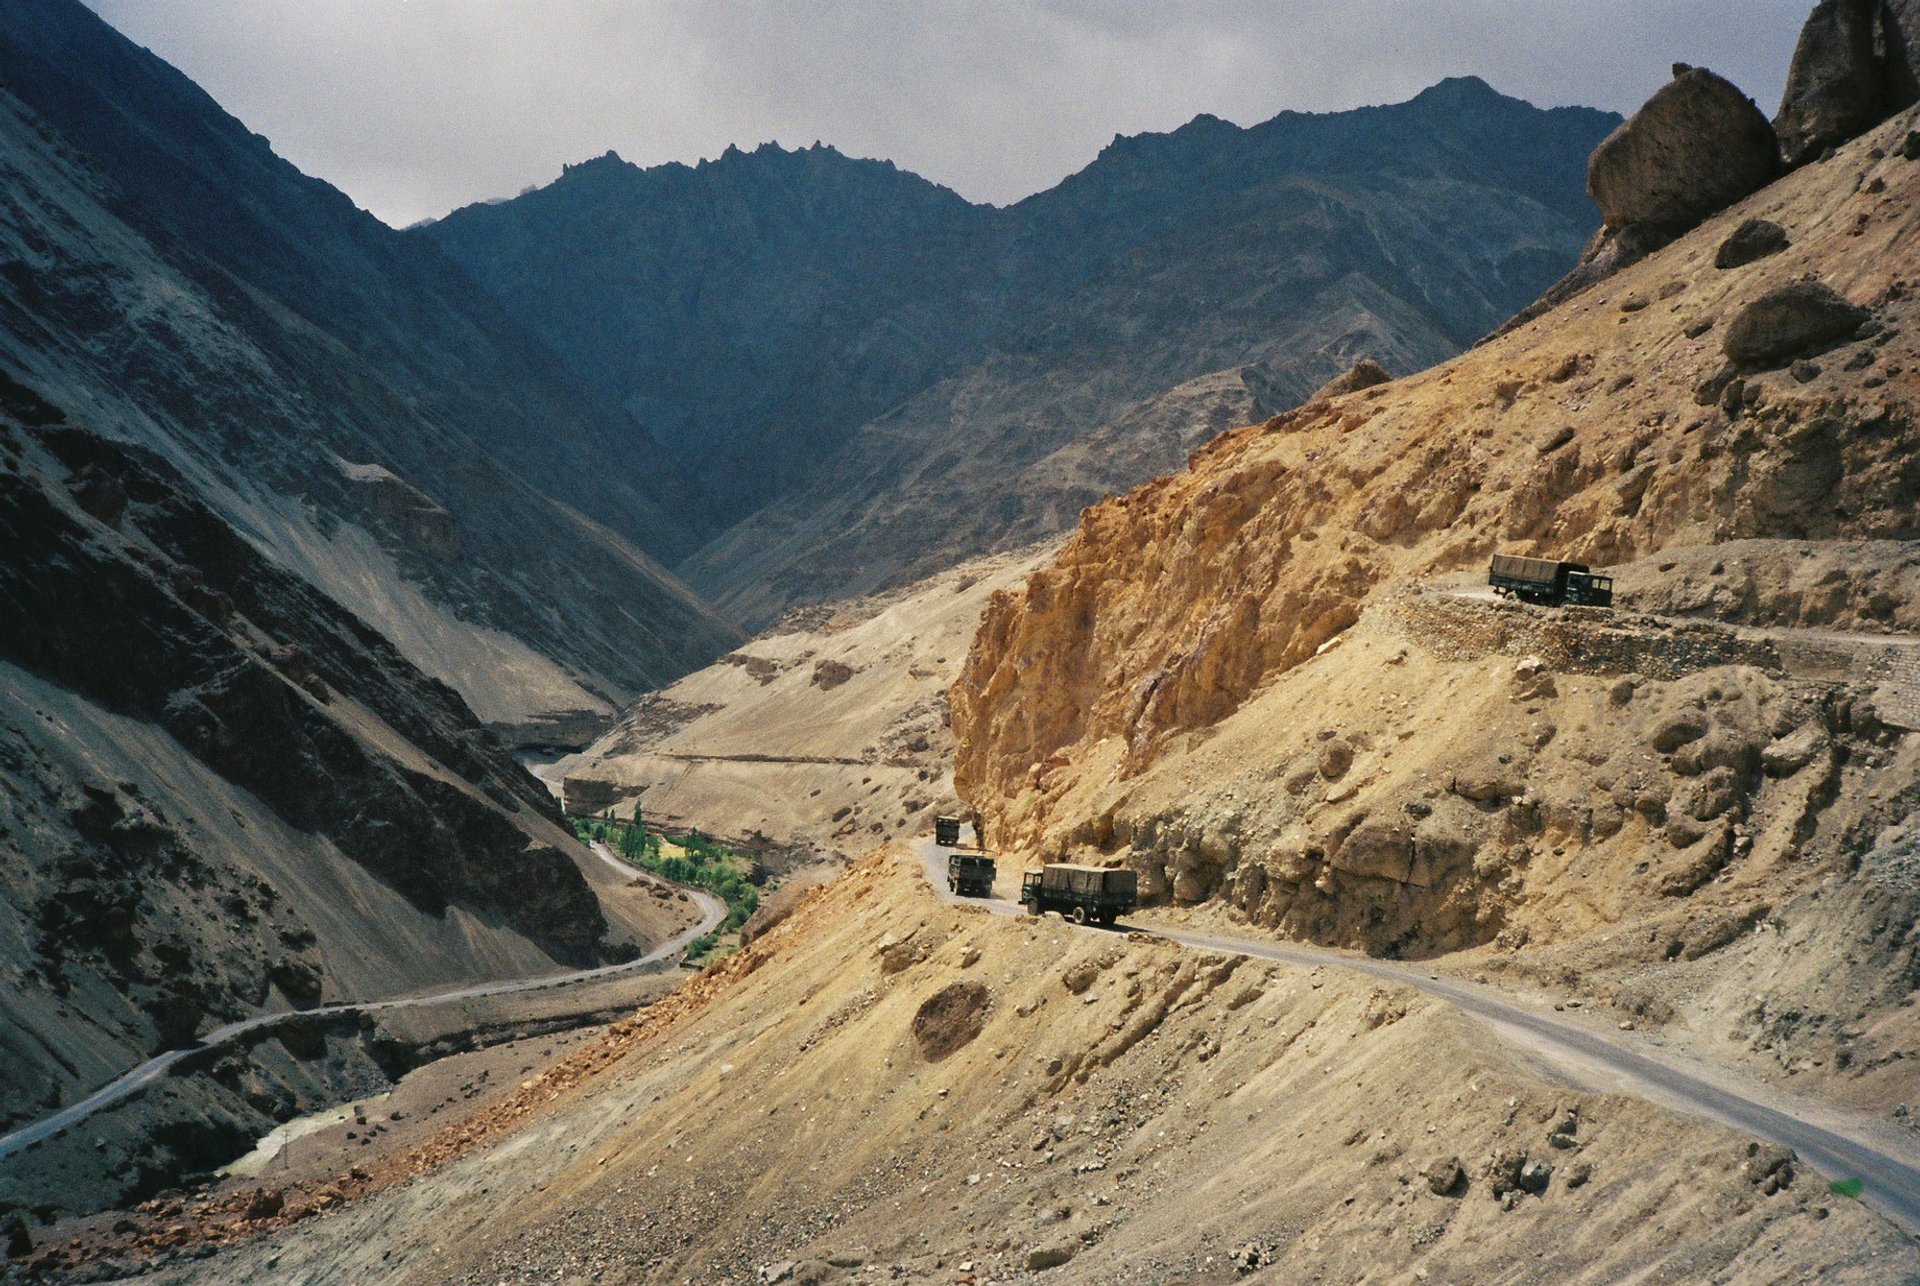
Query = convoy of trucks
x=1083 y=894
x=1550 y=583
x=970 y=873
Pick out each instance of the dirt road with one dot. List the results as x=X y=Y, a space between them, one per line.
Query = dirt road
x=1840 y=1145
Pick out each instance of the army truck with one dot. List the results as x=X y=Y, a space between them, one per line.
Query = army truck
x=1543 y=581
x=1080 y=893
x=970 y=874
x=946 y=832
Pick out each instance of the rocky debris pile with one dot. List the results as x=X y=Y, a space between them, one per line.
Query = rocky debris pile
x=951 y=1018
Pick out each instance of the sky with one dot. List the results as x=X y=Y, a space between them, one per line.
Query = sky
x=417 y=107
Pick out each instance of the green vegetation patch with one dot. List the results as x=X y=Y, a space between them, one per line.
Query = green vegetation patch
x=691 y=859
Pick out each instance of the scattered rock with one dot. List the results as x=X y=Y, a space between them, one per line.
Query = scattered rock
x=1534 y=1176
x=1053 y=1255
x=1789 y=320
x=1833 y=88
x=1789 y=754
x=1697 y=146
x=265 y=1204
x=1552 y=440
x=1578 y=1175
x=1335 y=758
x=1503 y=1171
x=1806 y=372
x=1446 y=1177
x=1769 y=1166
x=895 y=957
x=1751 y=241
x=828 y=675
x=1679 y=728
x=1080 y=976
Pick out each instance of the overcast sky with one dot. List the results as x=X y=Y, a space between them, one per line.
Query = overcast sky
x=415 y=107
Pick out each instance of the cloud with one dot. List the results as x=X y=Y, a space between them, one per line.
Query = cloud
x=414 y=107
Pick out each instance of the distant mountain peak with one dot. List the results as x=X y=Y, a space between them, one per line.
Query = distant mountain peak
x=1461 y=89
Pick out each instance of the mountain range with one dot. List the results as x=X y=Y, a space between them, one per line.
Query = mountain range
x=872 y=378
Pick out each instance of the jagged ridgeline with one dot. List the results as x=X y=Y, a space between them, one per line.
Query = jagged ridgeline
x=878 y=378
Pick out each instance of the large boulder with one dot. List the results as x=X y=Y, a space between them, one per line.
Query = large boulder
x=1696 y=147
x=1788 y=321
x=1835 y=87
x=1751 y=241
x=1901 y=40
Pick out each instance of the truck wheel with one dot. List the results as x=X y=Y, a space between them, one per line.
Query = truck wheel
x=1107 y=918
x=1079 y=915
x=1032 y=908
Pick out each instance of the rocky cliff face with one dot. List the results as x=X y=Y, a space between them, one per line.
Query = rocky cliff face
x=347 y=399
x=223 y=793
x=915 y=383
x=1228 y=681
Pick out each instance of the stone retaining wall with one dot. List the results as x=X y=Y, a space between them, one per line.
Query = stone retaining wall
x=1588 y=640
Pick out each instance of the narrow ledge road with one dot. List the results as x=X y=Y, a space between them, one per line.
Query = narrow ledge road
x=1838 y=1144
x=712 y=912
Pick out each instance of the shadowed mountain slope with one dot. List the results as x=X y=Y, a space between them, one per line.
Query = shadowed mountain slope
x=347 y=399
x=878 y=365
x=225 y=795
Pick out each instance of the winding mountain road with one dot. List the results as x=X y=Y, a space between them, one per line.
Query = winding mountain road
x=1839 y=1144
x=712 y=909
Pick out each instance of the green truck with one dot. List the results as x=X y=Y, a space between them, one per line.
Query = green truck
x=1083 y=894
x=970 y=874
x=1549 y=583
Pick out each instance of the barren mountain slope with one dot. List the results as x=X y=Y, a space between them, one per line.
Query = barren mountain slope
x=343 y=397
x=224 y=795
x=885 y=1089
x=824 y=733
x=1455 y=773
